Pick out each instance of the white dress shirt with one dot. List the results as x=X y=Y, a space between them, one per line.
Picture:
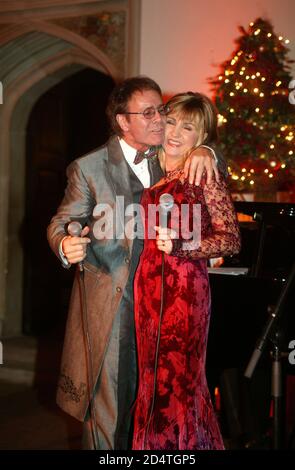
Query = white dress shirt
x=141 y=169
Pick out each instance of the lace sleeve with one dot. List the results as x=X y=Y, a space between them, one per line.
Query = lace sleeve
x=224 y=237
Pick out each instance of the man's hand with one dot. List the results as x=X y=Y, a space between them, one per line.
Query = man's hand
x=74 y=248
x=201 y=160
x=164 y=239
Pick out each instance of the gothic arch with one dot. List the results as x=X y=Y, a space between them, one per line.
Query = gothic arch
x=21 y=91
x=12 y=32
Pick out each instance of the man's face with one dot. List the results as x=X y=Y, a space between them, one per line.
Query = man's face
x=138 y=131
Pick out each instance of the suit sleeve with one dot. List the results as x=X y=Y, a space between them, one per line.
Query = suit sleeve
x=77 y=204
x=221 y=161
x=224 y=237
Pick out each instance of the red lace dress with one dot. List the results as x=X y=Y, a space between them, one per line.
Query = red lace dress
x=173 y=408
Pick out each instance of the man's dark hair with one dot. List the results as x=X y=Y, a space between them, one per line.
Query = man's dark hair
x=122 y=93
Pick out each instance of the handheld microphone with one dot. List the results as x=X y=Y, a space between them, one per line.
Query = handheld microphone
x=75 y=229
x=166 y=202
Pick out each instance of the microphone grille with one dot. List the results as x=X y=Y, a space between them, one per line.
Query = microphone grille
x=74 y=229
x=166 y=201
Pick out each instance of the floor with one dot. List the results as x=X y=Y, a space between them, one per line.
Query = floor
x=30 y=419
x=28 y=422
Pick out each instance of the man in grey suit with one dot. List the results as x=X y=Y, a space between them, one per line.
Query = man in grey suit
x=137 y=117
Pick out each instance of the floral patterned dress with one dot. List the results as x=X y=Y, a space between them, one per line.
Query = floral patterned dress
x=172 y=311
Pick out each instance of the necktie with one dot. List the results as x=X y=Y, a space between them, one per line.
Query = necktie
x=141 y=155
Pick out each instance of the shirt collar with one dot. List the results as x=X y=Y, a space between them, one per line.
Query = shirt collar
x=129 y=152
x=127 y=149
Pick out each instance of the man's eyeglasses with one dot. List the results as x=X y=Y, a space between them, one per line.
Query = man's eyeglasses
x=150 y=112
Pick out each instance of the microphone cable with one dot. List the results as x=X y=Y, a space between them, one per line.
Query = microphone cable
x=166 y=202
x=156 y=352
x=89 y=362
x=75 y=229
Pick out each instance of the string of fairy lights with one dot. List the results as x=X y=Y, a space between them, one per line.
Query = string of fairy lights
x=242 y=80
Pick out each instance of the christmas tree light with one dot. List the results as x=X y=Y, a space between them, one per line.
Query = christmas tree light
x=257 y=121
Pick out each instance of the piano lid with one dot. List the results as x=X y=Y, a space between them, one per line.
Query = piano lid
x=268 y=241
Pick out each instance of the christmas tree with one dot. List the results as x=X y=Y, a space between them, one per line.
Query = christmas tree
x=257 y=121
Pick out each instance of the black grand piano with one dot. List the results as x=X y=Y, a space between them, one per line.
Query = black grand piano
x=244 y=290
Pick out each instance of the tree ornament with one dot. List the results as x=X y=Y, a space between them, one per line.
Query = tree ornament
x=250 y=57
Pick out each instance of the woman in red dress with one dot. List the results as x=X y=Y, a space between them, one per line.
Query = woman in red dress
x=172 y=294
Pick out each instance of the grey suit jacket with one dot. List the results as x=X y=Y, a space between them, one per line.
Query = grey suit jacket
x=94 y=179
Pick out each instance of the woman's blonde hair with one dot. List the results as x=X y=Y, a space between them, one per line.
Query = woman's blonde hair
x=198 y=109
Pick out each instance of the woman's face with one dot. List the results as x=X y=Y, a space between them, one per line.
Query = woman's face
x=180 y=135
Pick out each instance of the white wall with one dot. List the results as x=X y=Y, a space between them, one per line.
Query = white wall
x=184 y=41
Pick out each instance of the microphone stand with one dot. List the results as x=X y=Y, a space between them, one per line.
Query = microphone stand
x=88 y=354
x=271 y=332
x=74 y=229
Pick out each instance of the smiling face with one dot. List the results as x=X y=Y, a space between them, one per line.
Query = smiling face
x=181 y=135
x=190 y=122
x=138 y=131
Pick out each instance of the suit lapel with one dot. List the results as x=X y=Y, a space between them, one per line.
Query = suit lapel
x=120 y=180
x=118 y=168
x=156 y=172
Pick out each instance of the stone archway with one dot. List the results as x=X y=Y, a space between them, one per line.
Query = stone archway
x=67 y=121
x=41 y=46
x=67 y=65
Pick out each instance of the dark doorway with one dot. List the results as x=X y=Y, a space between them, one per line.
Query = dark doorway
x=67 y=122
